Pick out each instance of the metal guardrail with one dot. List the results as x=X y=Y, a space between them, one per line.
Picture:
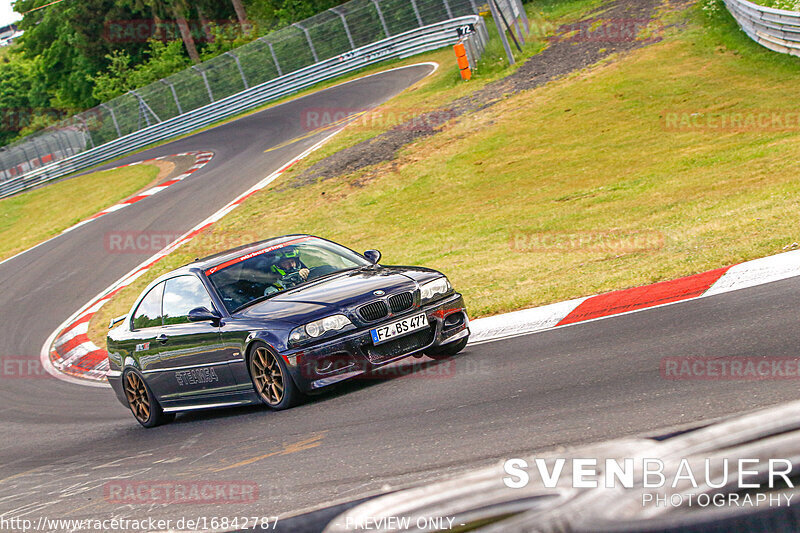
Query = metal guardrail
x=776 y=29
x=400 y=46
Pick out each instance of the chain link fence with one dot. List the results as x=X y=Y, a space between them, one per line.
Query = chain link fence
x=327 y=35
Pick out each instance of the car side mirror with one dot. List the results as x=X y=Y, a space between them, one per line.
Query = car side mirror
x=373 y=256
x=202 y=314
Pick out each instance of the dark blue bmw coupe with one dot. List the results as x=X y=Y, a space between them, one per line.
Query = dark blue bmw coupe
x=271 y=321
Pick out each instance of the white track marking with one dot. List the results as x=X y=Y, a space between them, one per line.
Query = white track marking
x=518 y=323
x=757 y=272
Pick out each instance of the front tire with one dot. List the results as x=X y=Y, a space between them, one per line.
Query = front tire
x=448 y=350
x=142 y=403
x=271 y=379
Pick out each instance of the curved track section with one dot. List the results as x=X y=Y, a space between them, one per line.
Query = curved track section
x=63 y=445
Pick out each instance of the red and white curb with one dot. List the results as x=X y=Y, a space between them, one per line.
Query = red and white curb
x=69 y=354
x=201 y=159
x=741 y=276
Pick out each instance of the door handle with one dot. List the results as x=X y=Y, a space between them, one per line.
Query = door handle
x=162 y=339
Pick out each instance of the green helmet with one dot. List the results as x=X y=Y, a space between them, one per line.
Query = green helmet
x=291 y=253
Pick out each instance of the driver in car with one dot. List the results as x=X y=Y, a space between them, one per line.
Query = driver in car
x=289 y=270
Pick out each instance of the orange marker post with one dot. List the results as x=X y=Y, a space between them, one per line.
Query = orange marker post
x=463 y=61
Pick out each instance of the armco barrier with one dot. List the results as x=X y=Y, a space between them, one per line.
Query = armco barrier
x=400 y=46
x=776 y=29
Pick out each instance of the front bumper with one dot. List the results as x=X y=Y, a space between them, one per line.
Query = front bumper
x=354 y=354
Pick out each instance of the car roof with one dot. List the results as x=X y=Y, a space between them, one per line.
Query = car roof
x=222 y=257
x=199 y=266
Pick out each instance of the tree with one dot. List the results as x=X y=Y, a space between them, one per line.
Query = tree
x=241 y=14
x=186 y=34
x=69 y=43
x=121 y=76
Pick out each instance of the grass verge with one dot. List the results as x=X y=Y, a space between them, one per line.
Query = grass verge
x=579 y=187
x=36 y=215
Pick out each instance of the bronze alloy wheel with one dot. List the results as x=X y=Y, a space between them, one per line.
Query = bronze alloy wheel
x=138 y=399
x=267 y=376
x=144 y=406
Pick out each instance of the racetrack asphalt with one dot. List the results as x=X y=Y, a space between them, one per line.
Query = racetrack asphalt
x=62 y=443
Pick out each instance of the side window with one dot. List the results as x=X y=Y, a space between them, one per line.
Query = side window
x=148 y=314
x=183 y=294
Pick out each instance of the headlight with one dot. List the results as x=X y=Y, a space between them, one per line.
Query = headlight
x=434 y=289
x=318 y=328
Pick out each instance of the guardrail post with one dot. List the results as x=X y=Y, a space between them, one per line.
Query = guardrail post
x=447 y=8
x=113 y=118
x=38 y=156
x=4 y=165
x=524 y=16
x=53 y=144
x=346 y=27
x=274 y=56
x=310 y=42
x=67 y=143
x=57 y=136
x=47 y=146
x=383 y=20
x=239 y=66
x=85 y=130
x=496 y=16
x=174 y=95
x=515 y=11
x=144 y=108
x=416 y=12
x=205 y=80
x=27 y=160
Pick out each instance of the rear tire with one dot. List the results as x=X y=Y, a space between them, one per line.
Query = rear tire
x=448 y=350
x=142 y=403
x=271 y=379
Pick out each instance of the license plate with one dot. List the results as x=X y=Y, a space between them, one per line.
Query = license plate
x=399 y=328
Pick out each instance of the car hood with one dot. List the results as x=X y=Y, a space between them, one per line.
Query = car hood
x=339 y=293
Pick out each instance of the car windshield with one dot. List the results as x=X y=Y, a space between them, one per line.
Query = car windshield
x=275 y=269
